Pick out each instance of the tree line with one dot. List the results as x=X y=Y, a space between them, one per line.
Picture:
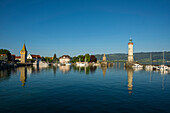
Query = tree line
x=83 y=58
x=142 y=56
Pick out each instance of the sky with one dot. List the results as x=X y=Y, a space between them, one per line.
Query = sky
x=74 y=27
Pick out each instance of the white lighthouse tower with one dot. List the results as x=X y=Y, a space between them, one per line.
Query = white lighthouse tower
x=130 y=51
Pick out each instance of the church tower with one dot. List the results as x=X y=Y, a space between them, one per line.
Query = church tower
x=23 y=53
x=130 y=51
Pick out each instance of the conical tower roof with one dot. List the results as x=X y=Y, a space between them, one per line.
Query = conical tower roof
x=24 y=48
x=130 y=40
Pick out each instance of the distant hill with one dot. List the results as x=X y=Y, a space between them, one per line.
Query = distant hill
x=142 y=56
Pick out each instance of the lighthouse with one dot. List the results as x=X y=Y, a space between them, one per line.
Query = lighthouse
x=130 y=51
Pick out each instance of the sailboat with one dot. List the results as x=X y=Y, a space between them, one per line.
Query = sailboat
x=162 y=67
x=82 y=64
x=149 y=67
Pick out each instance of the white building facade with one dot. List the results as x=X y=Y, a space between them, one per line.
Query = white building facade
x=34 y=57
x=64 y=59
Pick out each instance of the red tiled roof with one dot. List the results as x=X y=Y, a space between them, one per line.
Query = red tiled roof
x=66 y=56
x=36 y=56
x=2 y=54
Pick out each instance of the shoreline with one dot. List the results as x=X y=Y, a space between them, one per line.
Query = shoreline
x=7 y=66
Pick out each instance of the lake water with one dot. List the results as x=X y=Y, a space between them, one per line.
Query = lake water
x=68 y=89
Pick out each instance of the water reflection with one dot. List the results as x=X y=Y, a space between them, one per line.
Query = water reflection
x=130 y=79
x=54 y=69
x=86 y=69
x=34 y=70
x=5 y=74
x=104 y=68
x=64 y=69
x=23 y=75
x=137 y=69
x=79 y=87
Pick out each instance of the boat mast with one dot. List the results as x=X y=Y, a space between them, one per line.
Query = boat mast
x=163 y=57
x=150 y=58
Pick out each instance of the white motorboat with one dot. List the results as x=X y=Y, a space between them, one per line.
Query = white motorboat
x=55 y=64
x=68 y=64
x=40 y=63
x=163 y=67
x=81 y=64
x=137 y=66
x=148 y=67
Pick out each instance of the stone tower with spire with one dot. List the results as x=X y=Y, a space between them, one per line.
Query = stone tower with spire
x=23 y=53
x=130 y=51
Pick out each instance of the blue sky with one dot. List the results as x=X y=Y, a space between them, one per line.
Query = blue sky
x=77 y=27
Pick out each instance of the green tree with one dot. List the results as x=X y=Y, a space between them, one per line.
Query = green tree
x=43 y=59
x=48 y=59
x=81 y=57
x=7 y=52
x=87 y=56
x=75 y=59
x=54 y=58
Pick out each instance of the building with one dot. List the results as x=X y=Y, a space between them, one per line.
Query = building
x=18 y=58
x=130 y=51
x=23 y=53
x=104 y=58
x=3 y=57
x=104 y=62
x=34 y=57
x=64 y=59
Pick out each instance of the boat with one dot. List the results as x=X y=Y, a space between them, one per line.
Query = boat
x=68 y=64
x=149 y=67
x=40 y=63
x=82 y=64
x=55 y=64
x=96 y=64
x=163 y=68
x=137 y=66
